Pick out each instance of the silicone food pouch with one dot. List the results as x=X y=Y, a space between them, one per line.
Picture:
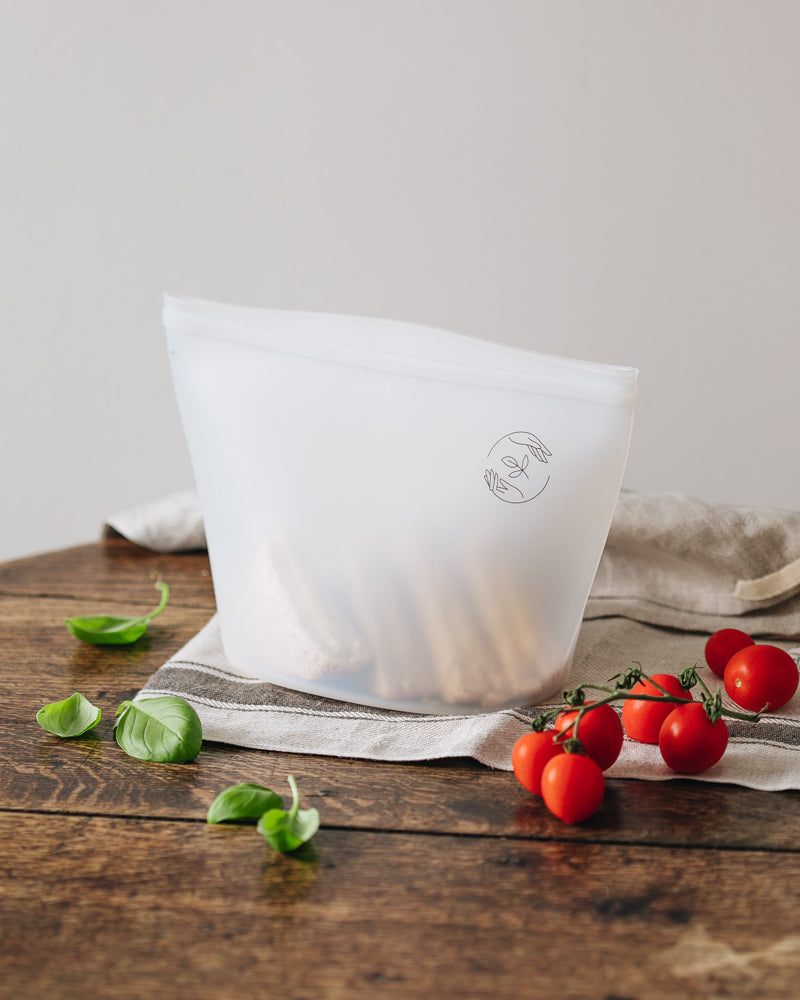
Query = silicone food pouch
x=396 y=515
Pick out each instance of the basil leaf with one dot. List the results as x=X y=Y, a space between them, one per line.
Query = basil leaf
x=69 y=718
x=286 y=831
x=165 y=729
x=107 y=630
x=274 y=828
x=243 y=802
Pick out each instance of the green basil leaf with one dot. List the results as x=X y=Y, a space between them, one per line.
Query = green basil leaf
x=166 y=730
x=286 y=831
x=243 y=802
x=305 y=824
x=274 y=828
x=72 y=717
x=108 y=630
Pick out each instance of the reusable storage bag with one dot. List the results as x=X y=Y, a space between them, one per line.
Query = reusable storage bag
x=396 y=515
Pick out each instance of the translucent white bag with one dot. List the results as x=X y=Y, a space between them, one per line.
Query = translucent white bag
x=395 y=515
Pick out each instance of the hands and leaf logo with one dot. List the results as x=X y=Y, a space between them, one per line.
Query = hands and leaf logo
x=512 y=475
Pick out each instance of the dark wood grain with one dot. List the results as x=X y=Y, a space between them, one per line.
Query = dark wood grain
x=112 y=570
x=186 y=910
x=92 y=776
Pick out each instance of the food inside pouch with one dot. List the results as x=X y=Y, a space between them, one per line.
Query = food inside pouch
x=412 y=630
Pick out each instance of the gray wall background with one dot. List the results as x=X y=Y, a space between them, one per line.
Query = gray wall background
x=614 y=180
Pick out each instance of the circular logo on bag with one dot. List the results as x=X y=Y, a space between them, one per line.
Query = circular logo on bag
x=517 y=469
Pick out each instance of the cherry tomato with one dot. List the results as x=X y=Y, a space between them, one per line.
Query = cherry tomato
x=642 y=719
x=722 y=645
x=761 y=675
x=530 y=754
x=689 y=742
x=600 y=732
x=572 y=786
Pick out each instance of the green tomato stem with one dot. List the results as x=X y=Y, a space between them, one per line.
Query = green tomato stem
x=710 y=703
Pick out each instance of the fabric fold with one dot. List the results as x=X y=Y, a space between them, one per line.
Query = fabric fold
x=683 y=553
x=173 y=523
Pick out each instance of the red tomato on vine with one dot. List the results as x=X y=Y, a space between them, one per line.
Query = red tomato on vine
x=689 y=741
x=530 y=754
x=599 y=730
x=572 y=787
x=761 y=675
x=721 y=646
x=642 y=719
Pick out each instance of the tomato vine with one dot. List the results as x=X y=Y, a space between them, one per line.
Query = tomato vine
x=692 y=735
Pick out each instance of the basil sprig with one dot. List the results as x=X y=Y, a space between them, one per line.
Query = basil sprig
x=286 y=831
x=166 y=730
x=243 y=803
x=282 y=830
x=72 y=717
x=108 y=630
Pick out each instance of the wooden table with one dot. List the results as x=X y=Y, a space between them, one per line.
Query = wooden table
x=425 y=880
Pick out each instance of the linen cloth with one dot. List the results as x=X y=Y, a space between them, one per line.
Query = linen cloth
x=674 y=569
